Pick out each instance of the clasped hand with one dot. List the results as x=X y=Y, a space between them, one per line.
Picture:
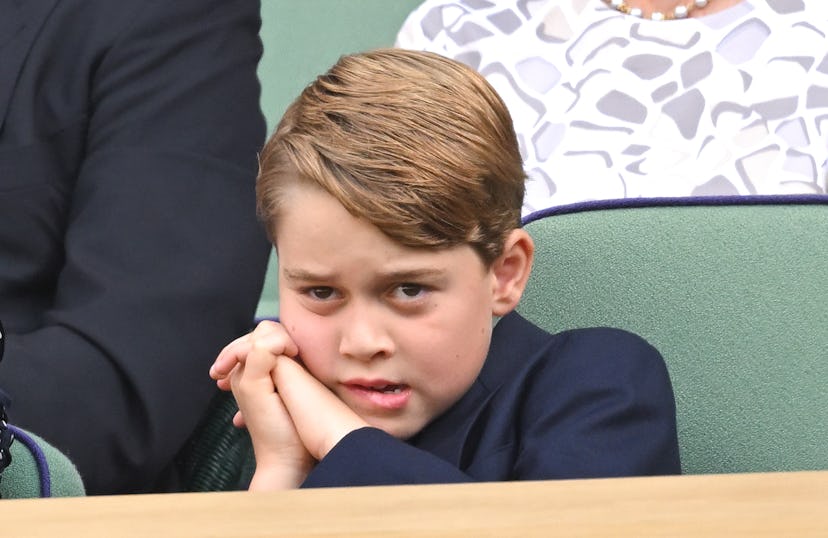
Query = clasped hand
x=293 y=419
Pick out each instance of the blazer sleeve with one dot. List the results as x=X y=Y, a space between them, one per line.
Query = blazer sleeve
x=164 y=258
x=371 y=457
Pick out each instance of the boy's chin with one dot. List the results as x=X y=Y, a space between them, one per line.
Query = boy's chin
x=403 y=432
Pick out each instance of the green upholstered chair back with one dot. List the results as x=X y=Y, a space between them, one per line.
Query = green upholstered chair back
x=38 y=469
x=733 y=292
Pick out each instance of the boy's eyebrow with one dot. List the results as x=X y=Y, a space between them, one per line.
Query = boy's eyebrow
x=413 y=274
x=401 y=274
x=301 y=274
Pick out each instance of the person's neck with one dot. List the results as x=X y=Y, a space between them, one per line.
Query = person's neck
x=648 y=7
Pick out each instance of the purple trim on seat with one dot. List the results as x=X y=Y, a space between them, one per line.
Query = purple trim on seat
x=627 y=203
x=39 y=457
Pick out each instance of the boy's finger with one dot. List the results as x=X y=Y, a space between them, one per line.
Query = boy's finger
x=224 y=383
x=238 y=420
x=320 y=417
x=272 y=336
x=232 y=354
x=269 y=337
x=259 y=363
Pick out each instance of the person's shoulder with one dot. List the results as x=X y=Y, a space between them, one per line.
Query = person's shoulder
x=594 y=347
x=597 y=358
x=582 y=336
x=593 y=362
x=575 y=365
x=607 y=355
x=603 y=336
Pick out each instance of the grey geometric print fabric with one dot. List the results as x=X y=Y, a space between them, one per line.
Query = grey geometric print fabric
x=607 y=105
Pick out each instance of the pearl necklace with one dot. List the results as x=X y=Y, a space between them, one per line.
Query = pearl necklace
x=681 y=11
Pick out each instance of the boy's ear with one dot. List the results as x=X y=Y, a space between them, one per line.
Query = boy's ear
x=511 y=271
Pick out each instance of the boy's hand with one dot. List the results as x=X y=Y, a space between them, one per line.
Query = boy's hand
x=267 y=334
x=280 y=402
x=320 y=417
x=246 y=366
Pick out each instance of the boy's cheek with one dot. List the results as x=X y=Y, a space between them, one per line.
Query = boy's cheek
x=289 y=314
x=307 y=333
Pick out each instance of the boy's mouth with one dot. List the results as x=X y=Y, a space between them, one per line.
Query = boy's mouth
x=378 y=385
x=381 y=394
x=388 y=389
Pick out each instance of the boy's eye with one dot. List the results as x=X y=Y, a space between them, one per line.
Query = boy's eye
x=409 y=291
x=321 y=293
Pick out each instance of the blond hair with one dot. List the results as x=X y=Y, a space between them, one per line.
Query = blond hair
x=417 y=144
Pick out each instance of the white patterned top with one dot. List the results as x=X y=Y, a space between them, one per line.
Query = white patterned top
x=607 y=105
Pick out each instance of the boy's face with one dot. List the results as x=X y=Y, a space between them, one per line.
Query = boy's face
x=399 y=334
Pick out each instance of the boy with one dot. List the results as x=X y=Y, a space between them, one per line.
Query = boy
x=392 y=190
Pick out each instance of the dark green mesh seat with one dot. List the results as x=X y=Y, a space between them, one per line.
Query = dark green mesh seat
x=219 y=456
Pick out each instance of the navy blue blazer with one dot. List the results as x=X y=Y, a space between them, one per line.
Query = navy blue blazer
x=584 y=403
x=130 y=252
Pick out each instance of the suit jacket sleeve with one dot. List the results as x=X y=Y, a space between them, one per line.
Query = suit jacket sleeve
x=164 y=258
x=592 y=403
x=371 y=457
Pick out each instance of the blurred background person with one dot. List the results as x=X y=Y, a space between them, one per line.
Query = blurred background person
x=649 y=98
x=129 y=246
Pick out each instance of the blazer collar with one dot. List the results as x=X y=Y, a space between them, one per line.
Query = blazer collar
x=20 y=22
x=515 y=341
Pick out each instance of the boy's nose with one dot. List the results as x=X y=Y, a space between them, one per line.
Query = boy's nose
x=364 y=337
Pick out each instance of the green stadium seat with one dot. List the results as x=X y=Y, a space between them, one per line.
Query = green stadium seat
x=732 y=291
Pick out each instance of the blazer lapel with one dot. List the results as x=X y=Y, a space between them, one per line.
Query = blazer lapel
x=514 y=342
x=20 y=22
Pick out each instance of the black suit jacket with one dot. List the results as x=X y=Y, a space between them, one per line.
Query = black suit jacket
x=585 y=403
x=129 y=247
